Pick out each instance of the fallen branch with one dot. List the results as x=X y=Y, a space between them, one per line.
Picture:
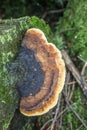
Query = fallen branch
x=72 y=68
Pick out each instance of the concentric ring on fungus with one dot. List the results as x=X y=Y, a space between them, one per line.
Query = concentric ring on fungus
x=51 y=73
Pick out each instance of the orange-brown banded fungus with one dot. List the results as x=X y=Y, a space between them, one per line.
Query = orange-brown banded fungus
x=42 y=84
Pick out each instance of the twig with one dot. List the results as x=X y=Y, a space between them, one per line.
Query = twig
x=79 y=57
x=60 y=122
x=83 y=75
x=42 y=128
x=84 y=68
x=72 y=68
x=71 y=126
x=62 y=112
x=67 y=78
x=51 y=12
x=79 y=127
x=67 y=89
x=71 y=83
x=56 y=11
x=44 y=15
x=55 y=117
x=68 y=29
x=70 y=87
x=73 y=87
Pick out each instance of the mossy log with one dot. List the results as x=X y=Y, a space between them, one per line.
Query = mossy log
x=11 y=33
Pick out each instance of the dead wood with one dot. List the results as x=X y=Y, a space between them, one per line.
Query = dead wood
x=75 y=72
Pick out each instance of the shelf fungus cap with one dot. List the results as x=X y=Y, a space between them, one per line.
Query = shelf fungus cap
x=44 y=87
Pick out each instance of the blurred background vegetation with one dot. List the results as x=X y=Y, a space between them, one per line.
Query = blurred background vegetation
x=50 y=10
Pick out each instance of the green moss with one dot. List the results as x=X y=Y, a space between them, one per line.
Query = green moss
x=73 y=26
x=58 y=40
x=81 y=109
x=28 y=126
x=35 y=22
x=10 y=40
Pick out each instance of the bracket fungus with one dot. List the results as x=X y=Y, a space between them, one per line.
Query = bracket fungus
x=40 y=88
